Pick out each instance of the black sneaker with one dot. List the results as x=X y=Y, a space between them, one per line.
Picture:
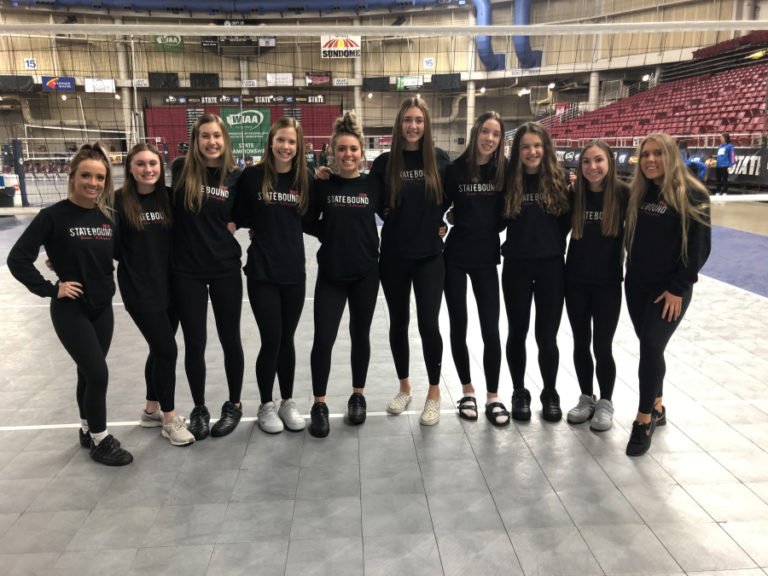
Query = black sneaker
x=550 y=405
x=640 y=439
x=356 y=408
x=521 y=404
x=86 y=442
x=661 y=417
x=110 y=453
x=199 y=420
x=230 y=418
x=319 y=425
x=85 y=439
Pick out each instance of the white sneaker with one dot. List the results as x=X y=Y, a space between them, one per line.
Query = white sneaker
x=431 y=413
x=153 y=420
x=268 y=419
x=603 y=418
x=291 y=417
x=177 y=432
x=583 y=411
x=399 y=403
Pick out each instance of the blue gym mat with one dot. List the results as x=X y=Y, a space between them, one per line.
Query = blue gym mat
x=739 y=258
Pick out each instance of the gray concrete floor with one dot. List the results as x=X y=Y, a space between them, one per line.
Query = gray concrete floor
x=391 y=496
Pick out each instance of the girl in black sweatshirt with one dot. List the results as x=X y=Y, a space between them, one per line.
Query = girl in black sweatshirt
x=536 y=206
x=474 y=183
x=206 y=262
x=668 y=239
x=593 y=273
x=78 y=236
x=343 y=211
x=272 y=199
x=411 y=248
x=143 y=251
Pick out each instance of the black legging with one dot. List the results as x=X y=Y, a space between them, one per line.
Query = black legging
x=654 y=333
x=428 y=278
x=277 y=309
x=330 y=299
x=159 y=330
x=86 y=334
x=540 y=281
x=485 y=285
x=191 y=301
x=721 y=173
x=594 y=306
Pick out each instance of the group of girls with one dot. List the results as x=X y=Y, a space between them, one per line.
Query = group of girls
x=667 y=241
x=662 y=223
x=176 y=249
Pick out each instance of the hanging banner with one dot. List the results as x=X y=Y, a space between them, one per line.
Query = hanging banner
x=248 y=129
x=58 y=84
x=169 y=43
x=195 y=100
x=279 y=79
x=104 y=85
x=410 y=82
x=341 y=46
x=318 y=78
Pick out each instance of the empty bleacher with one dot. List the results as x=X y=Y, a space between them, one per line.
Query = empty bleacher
x=705 y=105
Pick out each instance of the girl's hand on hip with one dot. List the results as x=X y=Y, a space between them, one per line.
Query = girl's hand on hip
x=71 y=290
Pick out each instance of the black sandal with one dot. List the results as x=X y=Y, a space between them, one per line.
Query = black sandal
x=467 y=405
x=495 y=410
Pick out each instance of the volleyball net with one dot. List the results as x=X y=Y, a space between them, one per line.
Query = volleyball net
x=65 y=84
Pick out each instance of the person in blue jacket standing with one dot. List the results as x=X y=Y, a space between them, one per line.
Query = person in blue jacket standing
x=726 y=157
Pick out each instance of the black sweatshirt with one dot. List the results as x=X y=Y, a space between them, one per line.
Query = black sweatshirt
x=594 y=258
x=655 y=257
x=203 y=247
x=474 y=239
x=344 y=214
x=534 y=234
x=144 y=256
x=411 y=228
x=80 y=245
x=276 y=253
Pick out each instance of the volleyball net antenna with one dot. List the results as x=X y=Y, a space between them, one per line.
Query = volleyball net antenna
x=65 y=84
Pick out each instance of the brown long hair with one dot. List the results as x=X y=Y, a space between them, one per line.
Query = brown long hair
x=130 y=191
x=471 y=153
x=193 y=174
x=552 y=183
x=433 y=188
x=298 y=164
x=346 y=125
x=676 y=188
x=96 y=151
x=611 y=223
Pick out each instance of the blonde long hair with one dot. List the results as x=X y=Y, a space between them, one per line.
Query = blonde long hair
x=298 y=164
x=193 y=174
x=611 y=224
x=676 y=188
x=552 y=183
x=433 y=188
x=96 y=151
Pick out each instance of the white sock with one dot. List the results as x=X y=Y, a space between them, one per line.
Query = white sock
x=84 y=426
x=497 y=413
x=99 y=437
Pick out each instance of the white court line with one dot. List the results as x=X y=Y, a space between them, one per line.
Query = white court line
x=245 y=419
